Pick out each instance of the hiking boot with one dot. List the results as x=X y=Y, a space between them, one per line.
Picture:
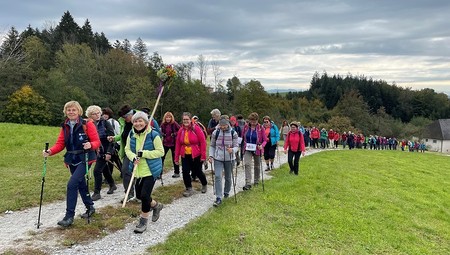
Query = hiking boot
x=271 y=166
x=291 y=172
x=204 y=188
x=65 y=222
x=96 y=196
x=267 y=168
x=226 y=195
x=188 y=192
x=111 y=189
x=176 y=176
x=142 y=226
x=156 y=209
x=217 y=202
x=255 y=183
x=247 y=187
x=90 y=210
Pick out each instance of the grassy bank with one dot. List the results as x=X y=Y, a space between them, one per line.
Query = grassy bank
x=343 y=202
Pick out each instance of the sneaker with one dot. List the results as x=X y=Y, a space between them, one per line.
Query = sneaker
x=247 y=187
x=188 y=192
x=271 y=166
x=67 y=221
x=267 y=168
x=204 y=188
x=226 y=195
x=111 y=189
x=129 y=198
x=291 y=172
x=176 y=176
x=89 y=212
x=134 y=199
x=217 y=202
x=142 y=226
x=158 y=207
x=96 y=196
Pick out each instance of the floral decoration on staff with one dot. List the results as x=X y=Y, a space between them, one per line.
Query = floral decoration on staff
x=166 y=75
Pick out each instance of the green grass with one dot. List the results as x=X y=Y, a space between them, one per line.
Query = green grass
x=343 y=202
x=22 y=165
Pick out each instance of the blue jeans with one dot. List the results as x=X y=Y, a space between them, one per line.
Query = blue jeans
x=77 y=184
x=219 y=167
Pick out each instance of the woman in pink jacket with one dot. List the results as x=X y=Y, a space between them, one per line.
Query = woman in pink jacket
x=254 y=140
x=191 y=146
x=294 y=146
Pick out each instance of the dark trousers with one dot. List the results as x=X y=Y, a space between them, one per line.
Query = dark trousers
x=195 y=165
x=75 y=185
x=172 y=151
x=102 y=167
x=293 y=159
x=144 y=188
x=126 y=173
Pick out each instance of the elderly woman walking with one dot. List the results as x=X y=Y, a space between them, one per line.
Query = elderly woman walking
x=147 y=163
x=254 y=142
x=80 y=139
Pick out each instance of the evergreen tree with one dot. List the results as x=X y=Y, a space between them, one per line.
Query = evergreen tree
x=140 y=50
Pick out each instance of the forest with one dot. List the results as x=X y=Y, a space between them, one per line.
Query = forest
x=40 y=70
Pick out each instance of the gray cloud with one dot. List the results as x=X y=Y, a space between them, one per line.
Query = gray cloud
x=281 y=43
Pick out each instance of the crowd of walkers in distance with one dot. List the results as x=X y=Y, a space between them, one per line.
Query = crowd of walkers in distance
x=137 y=145
x=323 y=139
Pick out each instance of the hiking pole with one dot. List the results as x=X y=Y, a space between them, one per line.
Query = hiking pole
x=278 y=156
x=212 y=178
x=42 y=186
x=232 y=177
x=86 y=158
x=261 y=171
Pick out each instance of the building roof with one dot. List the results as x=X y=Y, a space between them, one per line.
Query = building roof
x=440 y=130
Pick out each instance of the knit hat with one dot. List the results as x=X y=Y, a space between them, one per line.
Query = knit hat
x=224 y=122
x=140 y=115
x=232 y=118
x=294 y=123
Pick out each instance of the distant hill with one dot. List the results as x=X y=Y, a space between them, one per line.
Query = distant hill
x=273 y=91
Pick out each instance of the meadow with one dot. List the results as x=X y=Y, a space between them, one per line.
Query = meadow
x=343 y=202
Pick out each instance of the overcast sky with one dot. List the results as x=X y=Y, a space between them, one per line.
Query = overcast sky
x=280 y=43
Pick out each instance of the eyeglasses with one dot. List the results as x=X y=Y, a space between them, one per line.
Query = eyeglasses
x=266 y=121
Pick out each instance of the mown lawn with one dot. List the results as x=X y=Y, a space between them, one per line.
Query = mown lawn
x=343 y=202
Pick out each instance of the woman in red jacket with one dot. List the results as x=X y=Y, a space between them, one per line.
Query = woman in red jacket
x=294 y=146
x=80 y=139
x=190 y=144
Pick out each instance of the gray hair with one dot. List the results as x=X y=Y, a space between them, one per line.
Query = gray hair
x=215 y=112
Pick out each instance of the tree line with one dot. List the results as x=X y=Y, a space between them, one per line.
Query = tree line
x=41 y=70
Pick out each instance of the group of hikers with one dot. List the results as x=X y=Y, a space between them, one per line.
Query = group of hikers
x=322 y=139
x=137 y=145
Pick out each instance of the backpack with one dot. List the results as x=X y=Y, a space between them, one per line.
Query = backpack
x=232 y=133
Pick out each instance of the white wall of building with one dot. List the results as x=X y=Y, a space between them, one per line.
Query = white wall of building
x=438 y=145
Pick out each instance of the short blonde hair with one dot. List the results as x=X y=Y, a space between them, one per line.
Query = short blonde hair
x=73 y=104
x=93 y=109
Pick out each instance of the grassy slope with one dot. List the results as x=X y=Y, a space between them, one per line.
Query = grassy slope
x=344 y=202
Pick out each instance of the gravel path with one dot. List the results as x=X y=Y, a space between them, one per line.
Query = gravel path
x=18 y=229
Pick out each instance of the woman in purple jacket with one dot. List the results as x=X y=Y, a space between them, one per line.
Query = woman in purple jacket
x=169 y=129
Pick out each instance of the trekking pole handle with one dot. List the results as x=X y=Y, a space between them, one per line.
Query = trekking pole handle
x=46 y=146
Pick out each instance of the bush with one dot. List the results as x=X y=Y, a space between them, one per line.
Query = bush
x=26 y=106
